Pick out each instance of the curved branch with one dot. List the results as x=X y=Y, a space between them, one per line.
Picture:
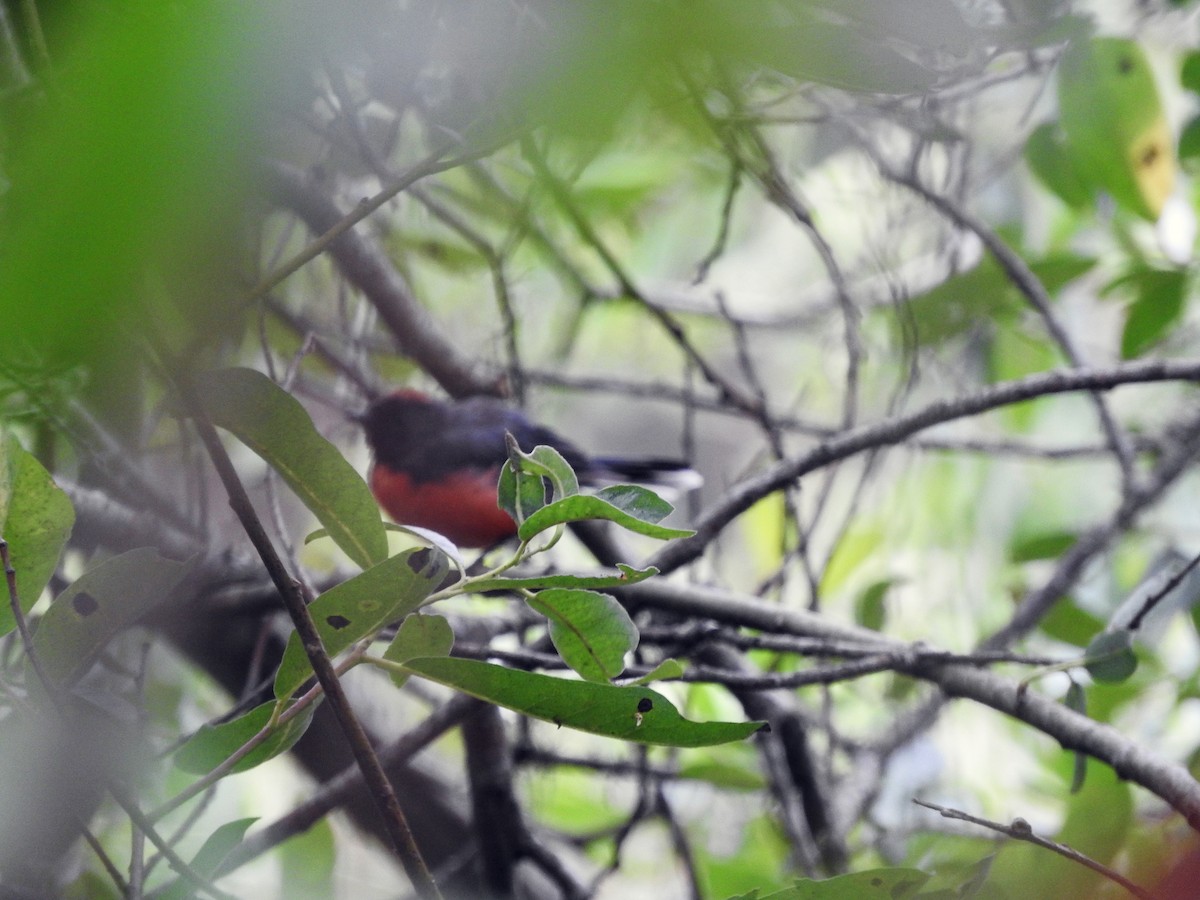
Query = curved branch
x=743 y=496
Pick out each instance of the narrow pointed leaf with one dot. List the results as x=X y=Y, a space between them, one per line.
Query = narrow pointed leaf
x=1157 y=308
x=592 y=632
x=101 y=603
x=274 y=425
x=668 y=668
x=1076 y=699
x=584 y=506
x=361 y=606
x=213 y=744
x=630 y=713
x=208 y=859
x=36 y=518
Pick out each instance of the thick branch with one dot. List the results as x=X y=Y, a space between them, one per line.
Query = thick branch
x=366 y=266
x=1166 y=779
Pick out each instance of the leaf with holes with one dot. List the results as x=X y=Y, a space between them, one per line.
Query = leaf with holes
x=592 y=632
x=631 y=713
x=102 y=602
x=361 y=606
x=1116 y=130
x=274 y=425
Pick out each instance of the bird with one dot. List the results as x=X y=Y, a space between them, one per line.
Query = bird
x=437 y=462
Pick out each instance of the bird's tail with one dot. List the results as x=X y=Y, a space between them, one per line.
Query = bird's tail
x=668 y=473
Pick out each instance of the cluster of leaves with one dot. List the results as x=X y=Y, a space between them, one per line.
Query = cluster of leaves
x=136 y=191
x=591 y=631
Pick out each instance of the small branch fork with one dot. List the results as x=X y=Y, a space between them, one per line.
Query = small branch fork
x=289 y=590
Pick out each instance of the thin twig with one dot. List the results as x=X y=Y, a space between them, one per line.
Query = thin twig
x=289 y=589
x=1020 y=830
x=1034 y=291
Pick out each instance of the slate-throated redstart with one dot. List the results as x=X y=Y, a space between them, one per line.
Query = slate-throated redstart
x=437 y=463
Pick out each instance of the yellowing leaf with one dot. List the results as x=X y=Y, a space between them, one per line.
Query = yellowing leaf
x=1115 y=128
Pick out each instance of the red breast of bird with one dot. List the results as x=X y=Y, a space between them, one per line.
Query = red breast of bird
x=436 y=463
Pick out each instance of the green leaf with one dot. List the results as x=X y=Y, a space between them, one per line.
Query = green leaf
x=1157 y=308
x=665 y=670
x=208 y=859
x=628 y=576
x=102 y=602
x=1115 y=127
x=960 y=303
x=1100 y=815
x=1068 y=623
x=1189 y=143
x=144 y=187
x=1045 y=545
x=306 y=862
x=584 y=506
x=724 y=774
x=521 y=491
x=630 y=713
x=274 y=425
x=1055 y=270
x=417 y=636
x=639 y=502
x=213 y=744
x=874 y=884
x=1076 y=700
x=1110 y=656
x=361 y=606
x=592 y=632
x=1051 y=162
x=1189 y=72
x=869 y=609
x=36 y=518
x=984 y=295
